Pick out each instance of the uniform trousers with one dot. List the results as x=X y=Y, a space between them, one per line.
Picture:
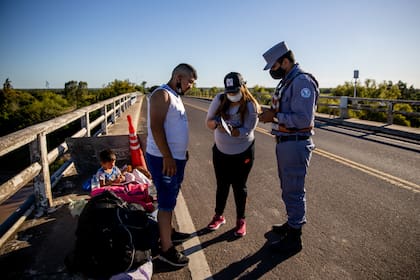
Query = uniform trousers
x=293 y=159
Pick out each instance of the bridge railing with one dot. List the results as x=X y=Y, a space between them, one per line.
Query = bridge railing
x=341 y=105
x=101 y=114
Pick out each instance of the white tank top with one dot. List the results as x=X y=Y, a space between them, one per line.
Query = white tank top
x=175 y=125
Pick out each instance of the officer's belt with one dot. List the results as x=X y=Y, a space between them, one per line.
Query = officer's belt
x=282 y=128
x=284 y=138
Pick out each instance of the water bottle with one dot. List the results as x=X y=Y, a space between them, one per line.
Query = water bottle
x=94 y=183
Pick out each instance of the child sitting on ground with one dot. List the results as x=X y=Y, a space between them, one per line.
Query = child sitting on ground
x=109 y=174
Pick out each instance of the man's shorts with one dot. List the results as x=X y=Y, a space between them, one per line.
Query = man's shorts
x=167 y=187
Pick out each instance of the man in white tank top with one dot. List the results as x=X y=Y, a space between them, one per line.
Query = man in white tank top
x=166 y=154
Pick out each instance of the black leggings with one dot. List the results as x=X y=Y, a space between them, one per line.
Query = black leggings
x=232 y=170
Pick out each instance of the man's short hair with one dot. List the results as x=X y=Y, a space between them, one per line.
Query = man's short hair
x=185 y=68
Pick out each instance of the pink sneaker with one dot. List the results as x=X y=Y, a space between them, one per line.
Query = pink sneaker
x=216 y=222
x=240 y=229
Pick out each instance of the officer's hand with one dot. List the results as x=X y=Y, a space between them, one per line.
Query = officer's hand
x=267 y=116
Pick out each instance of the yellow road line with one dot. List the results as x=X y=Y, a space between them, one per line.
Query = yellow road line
x=376 y=173
x=366 y=169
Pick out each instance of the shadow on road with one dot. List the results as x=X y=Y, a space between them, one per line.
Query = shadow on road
x=227 y=236
x=264 y=259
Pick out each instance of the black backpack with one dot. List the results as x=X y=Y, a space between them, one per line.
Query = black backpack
x=112 y=237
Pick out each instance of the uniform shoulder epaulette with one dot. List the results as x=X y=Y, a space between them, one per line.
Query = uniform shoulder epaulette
x=309 y=77
x=304 y=76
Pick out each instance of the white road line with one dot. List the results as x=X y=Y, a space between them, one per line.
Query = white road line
x=192 y=248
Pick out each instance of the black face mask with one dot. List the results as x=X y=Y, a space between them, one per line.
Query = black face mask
x=278 y=74
x=179 y=88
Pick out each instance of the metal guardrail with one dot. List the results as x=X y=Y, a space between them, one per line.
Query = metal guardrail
x=344 y=103
x=340 y=105
x=36 y=138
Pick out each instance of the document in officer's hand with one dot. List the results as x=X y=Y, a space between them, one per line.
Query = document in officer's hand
x=226 y=127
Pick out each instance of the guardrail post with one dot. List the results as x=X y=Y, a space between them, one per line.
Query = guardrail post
x=344 y=112
x=42 y=183
x=125 y=104
x=390 y=113
x=122 y=106
x=104 y=125
x=114 y=111
x=86 y=123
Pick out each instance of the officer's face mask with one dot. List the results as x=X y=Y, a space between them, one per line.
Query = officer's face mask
x=234 y=98
x=278 y=74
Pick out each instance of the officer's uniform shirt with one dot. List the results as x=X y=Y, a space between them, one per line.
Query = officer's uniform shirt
x=295 y=102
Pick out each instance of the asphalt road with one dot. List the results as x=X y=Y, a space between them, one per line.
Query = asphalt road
x=363 y=201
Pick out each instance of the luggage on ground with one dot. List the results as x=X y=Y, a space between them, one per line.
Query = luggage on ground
x=112 y=237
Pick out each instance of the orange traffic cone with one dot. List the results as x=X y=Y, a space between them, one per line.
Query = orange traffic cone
x=137 y=158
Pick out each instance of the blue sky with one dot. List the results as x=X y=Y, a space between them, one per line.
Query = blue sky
x=99 y=41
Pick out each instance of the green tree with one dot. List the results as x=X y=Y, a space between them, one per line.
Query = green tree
x=259 y=89
x=387 y=90
x=70 y=92
x=344 y=90
x=261 y=94
x=194 y=91
x=408 y=93
x=81 y=94
x=214 y=91
x=141 y=87
x=370 y=89
x=121 y=87
x=7 y=85
x=116 y=88
x=20 y=109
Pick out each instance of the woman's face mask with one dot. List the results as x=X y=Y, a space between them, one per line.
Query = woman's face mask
x=234 y=98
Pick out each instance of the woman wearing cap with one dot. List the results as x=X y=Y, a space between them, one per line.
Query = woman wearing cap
x=233 y=116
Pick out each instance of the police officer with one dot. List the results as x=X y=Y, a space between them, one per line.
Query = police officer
x=292 y=116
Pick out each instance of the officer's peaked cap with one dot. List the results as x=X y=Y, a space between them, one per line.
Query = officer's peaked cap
x=275 y=53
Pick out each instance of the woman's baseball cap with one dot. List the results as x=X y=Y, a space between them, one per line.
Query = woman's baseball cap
x=233 y=82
